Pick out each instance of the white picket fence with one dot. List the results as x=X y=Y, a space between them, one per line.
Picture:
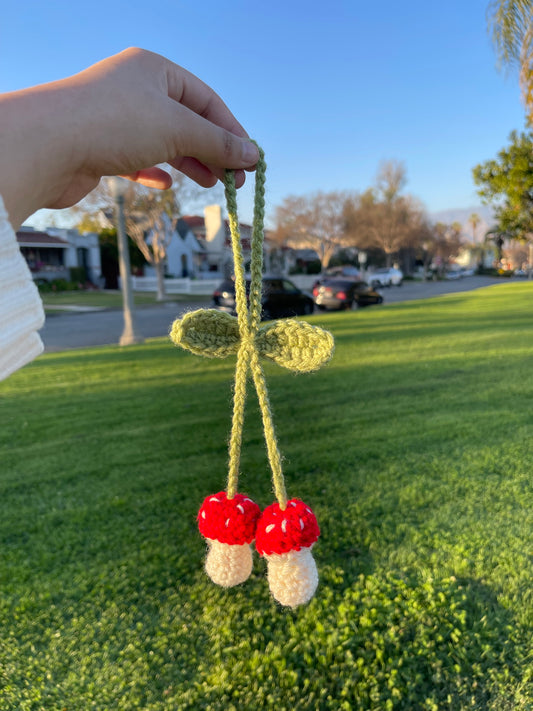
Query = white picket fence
x=205 y=287
x=201 y=287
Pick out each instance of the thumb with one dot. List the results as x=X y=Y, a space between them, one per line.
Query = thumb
x=209 y=143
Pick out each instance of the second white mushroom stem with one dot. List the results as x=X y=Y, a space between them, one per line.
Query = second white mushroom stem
x=292 y=577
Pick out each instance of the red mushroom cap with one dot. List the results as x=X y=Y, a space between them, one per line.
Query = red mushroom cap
x=226 y=520
x=290 y=530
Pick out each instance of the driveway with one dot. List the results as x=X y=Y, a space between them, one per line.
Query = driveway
x=97 y=328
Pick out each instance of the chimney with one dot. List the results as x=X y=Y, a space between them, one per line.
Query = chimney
x=214 y=229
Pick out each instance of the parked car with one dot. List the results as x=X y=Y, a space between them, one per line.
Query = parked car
x=385 y=277
x=280 y=298
x=343 y=271
x=453 y=274
x=334 y=293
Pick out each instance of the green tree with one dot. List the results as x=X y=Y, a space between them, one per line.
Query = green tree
x=511 y=26
x=498 y=240
x=506 y=183
x=109 y=256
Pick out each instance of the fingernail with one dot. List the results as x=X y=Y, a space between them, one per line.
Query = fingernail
x=250 y=154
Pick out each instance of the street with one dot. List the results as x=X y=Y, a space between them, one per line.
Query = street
x=66 y=330
x=411 y=290
x=96 y=328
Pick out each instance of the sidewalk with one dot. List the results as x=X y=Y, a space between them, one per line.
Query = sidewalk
x=78 y=309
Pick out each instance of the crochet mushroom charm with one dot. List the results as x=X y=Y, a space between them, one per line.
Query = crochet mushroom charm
x=229 y=527
x=285 y=538
x=287 y=530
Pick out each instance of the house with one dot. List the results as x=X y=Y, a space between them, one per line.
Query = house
x=52 y=253
x=83 y=251
x=186 y=257
x=212 y=233
x=200 y=247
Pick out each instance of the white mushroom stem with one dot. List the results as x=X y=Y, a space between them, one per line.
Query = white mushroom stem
x=292 y=577
x=228 y=565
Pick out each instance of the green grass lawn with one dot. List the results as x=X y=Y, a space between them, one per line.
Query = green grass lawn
x=414 y=447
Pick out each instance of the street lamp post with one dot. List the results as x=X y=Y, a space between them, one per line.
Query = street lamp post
x=130 y=335
x=362 y=257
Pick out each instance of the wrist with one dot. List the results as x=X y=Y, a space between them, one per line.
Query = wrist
x=38 y=148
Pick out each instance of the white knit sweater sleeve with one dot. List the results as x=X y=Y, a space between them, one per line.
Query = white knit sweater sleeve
x=21 y=308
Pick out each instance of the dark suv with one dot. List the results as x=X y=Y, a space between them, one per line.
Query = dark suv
x=332 y=293
x=281 y=298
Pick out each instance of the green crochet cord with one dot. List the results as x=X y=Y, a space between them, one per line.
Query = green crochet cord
x=249 y=320
x=293 y=344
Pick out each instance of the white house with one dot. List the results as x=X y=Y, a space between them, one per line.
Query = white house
x=201 y=246
x=83 y=251
x=51 y=254
x=186 y=257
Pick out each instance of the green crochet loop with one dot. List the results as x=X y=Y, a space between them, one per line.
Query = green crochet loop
x=207 y=332
x=293 y=344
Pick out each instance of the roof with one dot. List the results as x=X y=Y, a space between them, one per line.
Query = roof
x=33 y=238
x=242 y=225
x=194 y=221
x=197 y=226
x=183 y=229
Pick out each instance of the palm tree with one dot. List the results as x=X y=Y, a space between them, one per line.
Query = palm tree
x=511 y=24
x=497 y=237
x=474 y=221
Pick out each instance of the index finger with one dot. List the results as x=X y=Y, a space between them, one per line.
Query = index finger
x=192 y=92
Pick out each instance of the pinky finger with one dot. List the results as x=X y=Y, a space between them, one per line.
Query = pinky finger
x=151 y=178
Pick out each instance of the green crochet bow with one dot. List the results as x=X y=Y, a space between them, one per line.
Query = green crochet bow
x=293 y=344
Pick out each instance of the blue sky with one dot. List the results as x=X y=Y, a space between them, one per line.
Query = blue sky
x=328 y=89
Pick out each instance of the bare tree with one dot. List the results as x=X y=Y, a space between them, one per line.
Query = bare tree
x=383 y=218
x=315 y=221
x=151 y=218
x=151 y=215
x=446 y=244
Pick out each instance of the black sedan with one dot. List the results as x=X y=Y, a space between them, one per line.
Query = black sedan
x=333 y=293
x=280 y=298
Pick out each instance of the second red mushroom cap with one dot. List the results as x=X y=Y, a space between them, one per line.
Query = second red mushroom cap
x=280 y=531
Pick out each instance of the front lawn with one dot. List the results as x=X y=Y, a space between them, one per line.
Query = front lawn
x=414 y=447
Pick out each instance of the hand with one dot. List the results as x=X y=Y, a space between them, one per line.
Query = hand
x=122 y=116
